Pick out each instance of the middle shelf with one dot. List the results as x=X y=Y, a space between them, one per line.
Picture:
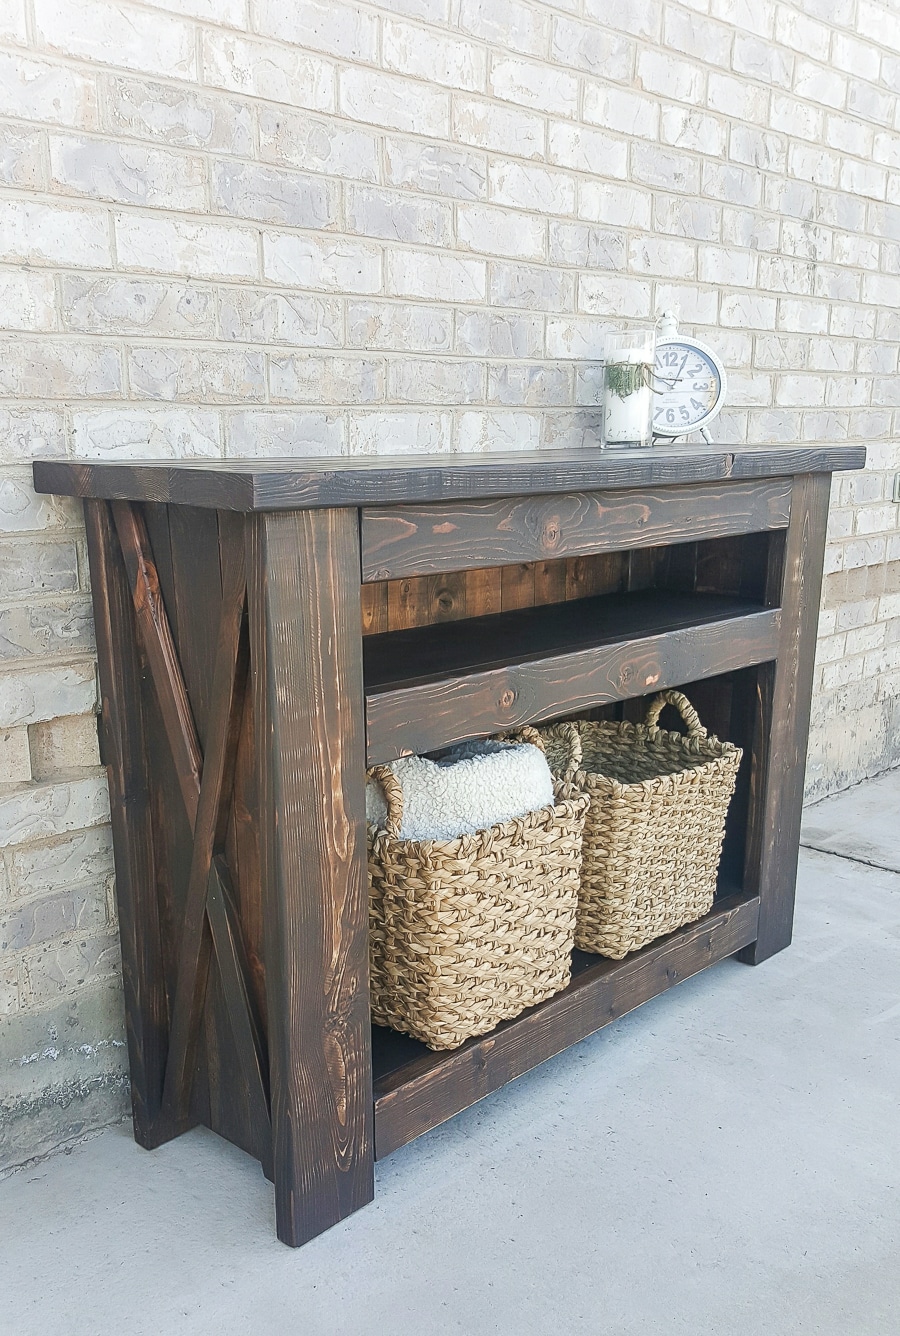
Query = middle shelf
x=435 y=685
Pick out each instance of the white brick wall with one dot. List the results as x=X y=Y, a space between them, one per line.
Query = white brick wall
x=252 y=227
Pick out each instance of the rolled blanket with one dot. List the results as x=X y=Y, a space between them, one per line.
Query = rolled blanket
x=471 y=787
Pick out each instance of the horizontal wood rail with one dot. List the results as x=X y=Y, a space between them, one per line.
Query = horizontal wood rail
x=432 y=1087
x=422 y=540
x=607 y=649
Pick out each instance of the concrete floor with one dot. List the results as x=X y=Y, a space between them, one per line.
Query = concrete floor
x=725 y=1160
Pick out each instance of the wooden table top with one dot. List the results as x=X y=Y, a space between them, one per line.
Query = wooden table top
x=311 y=483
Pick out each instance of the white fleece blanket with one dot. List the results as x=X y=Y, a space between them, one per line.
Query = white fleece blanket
x=472 y=787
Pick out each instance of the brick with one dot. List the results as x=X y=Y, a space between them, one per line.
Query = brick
x=54 y=234
x=436 y=168
x=28 y=432
x=522 y=185
x=796 y=117
x=615 y=109
x=400 y=433
x=119 y=34
x=31 y=695
x=872 y=103
x=578 y=336
x=249 y=315
x=260 y=434
x=506 y=129
x=737 y=185
x=586 y=150
x=665 y=168
x=531 y=385
x=69 y=860
x=493 y=231
x=13 y=27
x=727 y=268
x=531 y=288
x=591 y=48
x=804 y=317
x=779 y=273
x=436 y=58
x=45 y=628
x=244 y=190
x=830 y=354
x=179 y=116
x=642 y=18
x=68 y=743
x=34 y=567
x=321 y=262
x=435 y=277
x=586 y=246
x=262 y=69
x=852 y=136
x=64 y=968
x=146 y=433
x=38 y=90
x=541 y=87
x=15 y=760
x=26 y=300
x=507 y=334
x=761 y=60
x=136 y=306
x=173 y=246
x=480 y=432
x=506 y=23
x=399 y=104
x=298 y=139
x=696 y=305
x=187 y=374
x=127 y=173
x=800 y=33
x=746 y=310
x=399 y=326
x=804 y=239
x=34 y=369
x=613 y=294
x=863 y=178
x=660 y=72
x=43 y=810
x=300 y=378
x=685 y=217
x=818 y=84
x=697 y=36
x=737 y=97
x=323 y=25
x=745 y=227
x=422 y=381
x=619 y=206
x=397 y=216
x=55 y=916
x=21 y=158
x=684 y=127
x=663 y=256
x=23 y=511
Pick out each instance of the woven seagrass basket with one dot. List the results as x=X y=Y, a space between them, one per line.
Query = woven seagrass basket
x=469 y=932
x=655 y=825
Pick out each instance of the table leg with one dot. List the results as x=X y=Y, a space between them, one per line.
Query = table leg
x=306 y=664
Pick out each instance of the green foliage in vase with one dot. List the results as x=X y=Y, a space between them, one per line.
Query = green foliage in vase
x=625 y=378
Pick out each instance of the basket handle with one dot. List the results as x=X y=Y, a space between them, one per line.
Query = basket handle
x=393 y=796
x=571 y=735
x=524 y=734
x=684 y=707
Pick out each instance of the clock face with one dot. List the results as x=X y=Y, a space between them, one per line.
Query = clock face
x=688 y=386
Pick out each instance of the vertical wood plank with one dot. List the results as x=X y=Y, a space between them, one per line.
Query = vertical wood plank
x=784 y=694
x=517 y=586
x=484 y=591
x=146 y=1007
x=307 y=675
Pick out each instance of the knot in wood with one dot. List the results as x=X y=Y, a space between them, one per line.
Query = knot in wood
x=507 y=699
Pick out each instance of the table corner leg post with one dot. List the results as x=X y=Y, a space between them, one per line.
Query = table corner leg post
x=784 y=700
x=306 y=667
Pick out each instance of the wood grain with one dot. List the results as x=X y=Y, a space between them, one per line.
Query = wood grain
x=433 y=1087
x=124 y=754
x=426 y=715
x=782 y=732
x=307 y=672
x=385 y=480
x=420 y=540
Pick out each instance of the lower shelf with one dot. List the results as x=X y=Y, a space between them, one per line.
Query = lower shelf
x=416 y=1089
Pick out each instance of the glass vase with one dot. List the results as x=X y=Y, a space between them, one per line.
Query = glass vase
x=627 y=417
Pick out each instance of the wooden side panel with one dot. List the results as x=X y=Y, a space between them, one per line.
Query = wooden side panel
x=307 y=675
x=425 y=717
x=421 y=540
x=426 y=1092
x=124 y=753
x=783 y=710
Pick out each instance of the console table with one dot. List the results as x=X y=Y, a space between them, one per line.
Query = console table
x=266 y=630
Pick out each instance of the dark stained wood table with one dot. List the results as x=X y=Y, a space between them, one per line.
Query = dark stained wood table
x=268 y=629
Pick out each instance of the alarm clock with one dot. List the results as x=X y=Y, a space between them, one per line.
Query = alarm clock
x=689 y=383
